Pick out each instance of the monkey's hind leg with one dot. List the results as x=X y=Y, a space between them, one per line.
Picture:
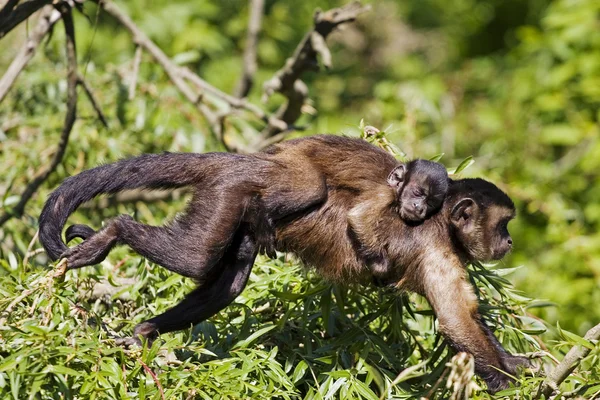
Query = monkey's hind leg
x=189 y=246
x=227 y=282
x=96 y=246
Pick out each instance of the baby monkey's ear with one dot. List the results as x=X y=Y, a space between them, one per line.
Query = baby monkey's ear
x=396 y=178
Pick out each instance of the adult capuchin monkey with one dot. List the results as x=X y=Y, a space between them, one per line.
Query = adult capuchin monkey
x=300 y=194
x=421 y=187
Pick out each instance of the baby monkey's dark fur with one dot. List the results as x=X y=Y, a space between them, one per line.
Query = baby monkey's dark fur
x=421 y=187
x=307 y=191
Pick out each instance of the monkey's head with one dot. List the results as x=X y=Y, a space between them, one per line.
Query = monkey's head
x=421 y=187
x=479 y=215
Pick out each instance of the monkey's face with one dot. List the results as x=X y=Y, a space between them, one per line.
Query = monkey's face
x=482 y=231
x=421 y=187
x=419 y=200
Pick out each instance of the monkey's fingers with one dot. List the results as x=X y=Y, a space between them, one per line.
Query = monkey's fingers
x=128 y=342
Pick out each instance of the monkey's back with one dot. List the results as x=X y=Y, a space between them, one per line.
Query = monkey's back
x=346 y=162
x=351 y=168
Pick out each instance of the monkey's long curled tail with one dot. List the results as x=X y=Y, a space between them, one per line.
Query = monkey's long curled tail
x=149 y=171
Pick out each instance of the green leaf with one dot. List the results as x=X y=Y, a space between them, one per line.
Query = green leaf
x=61 y=369
x=248 y=341
x=466 y=163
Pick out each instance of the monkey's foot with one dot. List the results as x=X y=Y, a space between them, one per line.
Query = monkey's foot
x=128 y=342
x=84 y=254
x=142 y=333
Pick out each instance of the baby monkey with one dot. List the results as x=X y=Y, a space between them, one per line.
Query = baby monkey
x=420 y=187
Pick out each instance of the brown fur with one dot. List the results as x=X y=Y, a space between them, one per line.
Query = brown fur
x=297 y=196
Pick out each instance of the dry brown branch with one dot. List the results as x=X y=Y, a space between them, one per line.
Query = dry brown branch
x=233 y=101
x=568 y=364
x=247 y=79
x=49 y=16
x=11 y=16
x=177 y=74
x=90 y=95
x=171 y=69
x=28 y=253
x=17 y=211
x=287 y=80
x=154 y=378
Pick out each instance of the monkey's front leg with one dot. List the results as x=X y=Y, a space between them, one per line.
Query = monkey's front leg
x=453 y=300
x=511 y=363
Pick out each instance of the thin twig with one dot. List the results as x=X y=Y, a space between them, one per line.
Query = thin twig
x=568 y=364
x=171 y=69
x=17 y=211
x=48 y=18
x=177 y=74
x=233 y=101
x=137 y=60
x=250 y=66
x=90 y=95
x=31 y=244
x=154 y=378
x=11 y=16
x=287 y=80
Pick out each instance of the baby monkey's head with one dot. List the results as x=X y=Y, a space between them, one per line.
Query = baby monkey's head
x=421 y=187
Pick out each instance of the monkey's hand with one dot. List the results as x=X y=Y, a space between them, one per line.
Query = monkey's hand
x=516 y=365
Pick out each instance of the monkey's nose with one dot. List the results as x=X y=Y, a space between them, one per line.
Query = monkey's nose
x=509 y=242
x=419 y=210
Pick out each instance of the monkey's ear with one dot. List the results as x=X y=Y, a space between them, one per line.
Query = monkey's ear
x=396 y=177
x=464 y=212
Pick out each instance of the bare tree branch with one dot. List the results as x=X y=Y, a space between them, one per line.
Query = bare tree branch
x=65 y=13
x=48 y=18
x=173 y=71
x=287 y=80
x=233 y=101
x=177 y=74
x=568 y=364
x=11 y=16
x=247 y=79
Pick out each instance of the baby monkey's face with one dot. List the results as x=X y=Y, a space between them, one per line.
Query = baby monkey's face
x=421 y=187
x=419 y=200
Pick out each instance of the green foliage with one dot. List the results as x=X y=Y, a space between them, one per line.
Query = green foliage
x=289 y=335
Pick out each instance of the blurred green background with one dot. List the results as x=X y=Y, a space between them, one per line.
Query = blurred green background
x=514 y=83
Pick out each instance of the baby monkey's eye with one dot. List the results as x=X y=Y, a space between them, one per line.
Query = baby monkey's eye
x=419 y=192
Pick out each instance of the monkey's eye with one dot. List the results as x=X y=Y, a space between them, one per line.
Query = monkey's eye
x=503 y=225
x=418 y=192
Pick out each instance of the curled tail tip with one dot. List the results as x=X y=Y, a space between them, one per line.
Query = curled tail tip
x=50 y=237
x=78 y=231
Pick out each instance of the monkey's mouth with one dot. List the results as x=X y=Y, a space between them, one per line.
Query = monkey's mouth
x=412 y=216
x=498 y=255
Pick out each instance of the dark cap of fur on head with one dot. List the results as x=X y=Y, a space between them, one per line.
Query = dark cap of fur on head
x=431 y=169
x=480 y=190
